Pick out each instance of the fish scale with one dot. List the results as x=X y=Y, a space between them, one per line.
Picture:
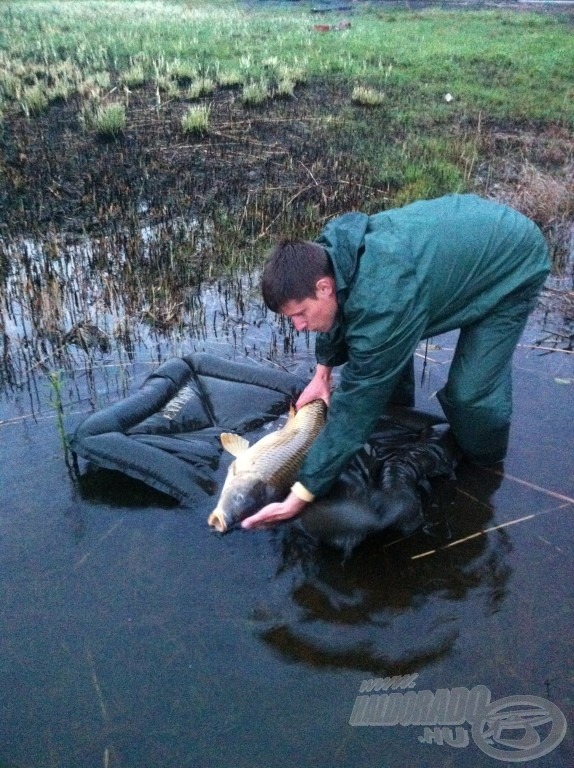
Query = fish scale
x=279 y=454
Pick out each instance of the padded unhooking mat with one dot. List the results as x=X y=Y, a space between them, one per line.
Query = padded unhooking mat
x=167 y=435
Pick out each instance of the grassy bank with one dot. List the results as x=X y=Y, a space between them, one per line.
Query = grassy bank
x=508 y=65
x=431 y=84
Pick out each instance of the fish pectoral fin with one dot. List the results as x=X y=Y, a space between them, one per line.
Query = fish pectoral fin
x=234 y=444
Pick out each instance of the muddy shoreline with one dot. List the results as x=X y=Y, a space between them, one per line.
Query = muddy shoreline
x=59 y=177
x=104 y=242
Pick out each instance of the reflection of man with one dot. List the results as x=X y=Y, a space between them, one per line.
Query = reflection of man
x=373 y=287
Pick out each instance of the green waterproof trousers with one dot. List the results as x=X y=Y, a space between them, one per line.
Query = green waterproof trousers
x=477 y=398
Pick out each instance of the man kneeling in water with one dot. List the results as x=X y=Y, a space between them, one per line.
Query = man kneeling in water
x=372 y=287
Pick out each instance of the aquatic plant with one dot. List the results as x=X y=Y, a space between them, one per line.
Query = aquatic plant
x=55 y=379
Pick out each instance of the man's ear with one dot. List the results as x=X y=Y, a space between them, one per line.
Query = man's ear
x=325 y=286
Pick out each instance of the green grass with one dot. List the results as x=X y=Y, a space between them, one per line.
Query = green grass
x=508 y=65
x=255 y=93
x=502 y=68
x=106 y=120
x=203 y=86
x=196 y=120
x=368 y=97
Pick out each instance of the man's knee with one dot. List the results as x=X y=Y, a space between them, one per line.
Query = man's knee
x=480 y=426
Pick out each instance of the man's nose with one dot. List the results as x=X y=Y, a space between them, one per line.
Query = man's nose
x=299 y=324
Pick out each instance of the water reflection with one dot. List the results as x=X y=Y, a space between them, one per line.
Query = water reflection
x=384 y=609
x=90 y=313
x=111 y=488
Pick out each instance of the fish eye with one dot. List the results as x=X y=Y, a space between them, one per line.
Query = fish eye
x=238 y=498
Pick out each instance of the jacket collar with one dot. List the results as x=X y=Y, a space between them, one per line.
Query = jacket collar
x=343 y=239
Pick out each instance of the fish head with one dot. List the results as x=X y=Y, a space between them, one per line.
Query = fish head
x=242 y=496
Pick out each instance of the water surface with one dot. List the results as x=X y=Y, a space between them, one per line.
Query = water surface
x=132 y=635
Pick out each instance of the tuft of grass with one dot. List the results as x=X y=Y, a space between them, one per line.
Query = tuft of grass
x=196 y=119
x=367 y=97
x=102 y=79
x=34 y=100
x=107 y=120
x=230 y=79
x=292 y=72
x=203 y=86
x=285 y=88
x=182 y=71
x=10 y=84
x=547 y=199
x=60 y=91
x=135 y=76
x=166 y=85
x=255 y=93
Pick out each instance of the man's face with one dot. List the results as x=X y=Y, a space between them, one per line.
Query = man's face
x=314 y=314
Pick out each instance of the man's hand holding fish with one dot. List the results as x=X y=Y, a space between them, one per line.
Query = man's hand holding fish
x=277 y=512
x=319 y=388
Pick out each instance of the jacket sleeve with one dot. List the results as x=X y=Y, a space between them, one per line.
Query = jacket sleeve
x=383 y=320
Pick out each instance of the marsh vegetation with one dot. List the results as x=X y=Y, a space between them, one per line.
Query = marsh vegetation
x=151 y=152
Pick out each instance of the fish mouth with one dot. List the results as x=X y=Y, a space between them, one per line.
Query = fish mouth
x=217 y=520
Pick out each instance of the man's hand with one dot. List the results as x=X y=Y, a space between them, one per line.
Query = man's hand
x=319 y=388
x=275 y=513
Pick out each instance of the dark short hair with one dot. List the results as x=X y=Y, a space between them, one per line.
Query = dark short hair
x=291 y=271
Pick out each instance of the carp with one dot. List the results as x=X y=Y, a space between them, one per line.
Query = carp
x=265 y=471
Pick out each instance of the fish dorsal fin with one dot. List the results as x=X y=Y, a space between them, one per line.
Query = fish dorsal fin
x=234 y=444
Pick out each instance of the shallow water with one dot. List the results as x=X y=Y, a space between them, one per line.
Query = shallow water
x=132 y=635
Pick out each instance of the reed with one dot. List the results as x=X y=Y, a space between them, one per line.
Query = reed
x=55 y=380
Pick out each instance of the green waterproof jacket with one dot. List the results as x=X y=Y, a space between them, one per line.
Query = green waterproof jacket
x=401 y=276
